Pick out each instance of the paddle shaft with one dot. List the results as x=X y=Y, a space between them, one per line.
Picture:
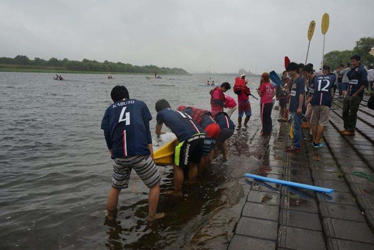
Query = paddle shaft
x=323 y=51
x=307 y=53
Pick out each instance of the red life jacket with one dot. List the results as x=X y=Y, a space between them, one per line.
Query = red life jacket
x=240 y=86
x=197 y=114
x=221 y=97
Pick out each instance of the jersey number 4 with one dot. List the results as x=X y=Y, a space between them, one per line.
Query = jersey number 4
x=124 y=117
x=324 y=88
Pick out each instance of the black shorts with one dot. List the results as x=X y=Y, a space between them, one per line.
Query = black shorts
x=282 y=102
x=190 y=150
x=225 y=134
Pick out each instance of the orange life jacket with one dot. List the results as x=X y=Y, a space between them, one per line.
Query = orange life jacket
x=240 y=86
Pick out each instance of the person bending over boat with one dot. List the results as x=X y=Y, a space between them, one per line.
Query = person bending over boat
x=127 y=135
x=217 y=98
x=227 y=130
x=191 y=142
x=208 y=124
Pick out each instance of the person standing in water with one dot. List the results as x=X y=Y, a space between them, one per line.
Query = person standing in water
x=127 y=135
x=243 y=93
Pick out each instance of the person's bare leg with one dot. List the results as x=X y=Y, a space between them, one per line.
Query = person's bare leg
x=239 y=122
x=205 y=160
x=246 y=121
x=314 y=133
x=113 y=199
x=192 y=172
x=282 y=112
x=153 y=197
x=319 y=133
x=178 y=178
x=224 y=145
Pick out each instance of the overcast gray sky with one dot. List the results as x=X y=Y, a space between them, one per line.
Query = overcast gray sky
x=189 y=34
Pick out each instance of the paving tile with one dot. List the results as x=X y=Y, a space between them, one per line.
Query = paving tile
x=323 y=167
x=263 y=229
x=303 y=193
x=265 y=187
x=299 y=219
x=329 y=176
x=264 y=198
x=366 y=202
x=239 y=242
x=344 y=212
x=261 y=211
x=355 y=179
x=298 y=179
x=359 y=189
x=350 y=170
x=348 y=230
x=295 y=238
x=337 y=244
x=270 y=170
x=295 y=202
x=337 y=197
x=370 y=217
x=336 y=185
x=297 y=172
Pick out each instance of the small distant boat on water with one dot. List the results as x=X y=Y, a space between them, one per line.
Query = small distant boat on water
x=149 y=77
x=58 y=78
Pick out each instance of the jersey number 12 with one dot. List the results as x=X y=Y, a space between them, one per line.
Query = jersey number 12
x=326 y=87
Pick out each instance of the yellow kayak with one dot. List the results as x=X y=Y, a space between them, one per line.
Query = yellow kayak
x=165 y=154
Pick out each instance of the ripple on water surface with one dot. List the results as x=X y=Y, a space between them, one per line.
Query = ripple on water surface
x=56 y=170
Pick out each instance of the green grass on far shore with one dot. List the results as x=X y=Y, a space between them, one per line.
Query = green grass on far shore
x=57 y=71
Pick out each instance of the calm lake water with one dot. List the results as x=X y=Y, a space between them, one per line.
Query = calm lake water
x=56 y=169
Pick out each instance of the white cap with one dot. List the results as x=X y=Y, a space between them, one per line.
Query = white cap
x=243 y=75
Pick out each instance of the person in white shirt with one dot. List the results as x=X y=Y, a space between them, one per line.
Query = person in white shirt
x=370 y=77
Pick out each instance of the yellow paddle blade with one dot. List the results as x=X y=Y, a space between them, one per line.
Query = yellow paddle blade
x=312 y=26
x=164 y=155
x=291 y=131
x=325 y=23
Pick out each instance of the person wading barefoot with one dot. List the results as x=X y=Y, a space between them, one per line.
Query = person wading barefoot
x=124 y=119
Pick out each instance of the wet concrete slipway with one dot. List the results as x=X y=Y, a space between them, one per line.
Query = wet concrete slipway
x=276 y=217
x=56 y=174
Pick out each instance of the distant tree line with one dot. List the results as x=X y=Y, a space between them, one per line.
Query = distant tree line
x=87 y=65
x=362 y=48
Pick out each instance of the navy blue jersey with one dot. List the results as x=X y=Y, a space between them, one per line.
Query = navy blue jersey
x=180 y=123
x=322 y=90
x=224 y=121
x=311 y=85
x=298 y=88
x=357 y=77
x=126 y=128
x=207 y=120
